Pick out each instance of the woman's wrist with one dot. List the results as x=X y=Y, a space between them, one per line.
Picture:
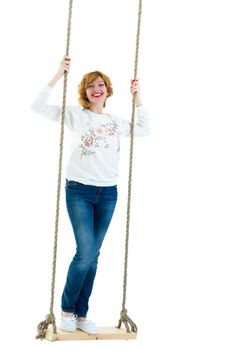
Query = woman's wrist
x=54 y=80
x=138 y=101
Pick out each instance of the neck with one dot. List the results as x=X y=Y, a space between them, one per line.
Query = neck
x=96 y=109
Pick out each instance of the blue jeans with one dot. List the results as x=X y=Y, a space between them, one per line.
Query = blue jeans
x=90 y=209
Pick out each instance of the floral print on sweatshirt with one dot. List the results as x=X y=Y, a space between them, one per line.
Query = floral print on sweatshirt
x=98 y=137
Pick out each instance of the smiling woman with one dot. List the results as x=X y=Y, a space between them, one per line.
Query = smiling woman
x=91 y=180
x=95 y=85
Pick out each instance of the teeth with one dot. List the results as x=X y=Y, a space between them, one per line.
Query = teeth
x=97 y=95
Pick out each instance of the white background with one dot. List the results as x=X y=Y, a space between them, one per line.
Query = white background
x=180 y=290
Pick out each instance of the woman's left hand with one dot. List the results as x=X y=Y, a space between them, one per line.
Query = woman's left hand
x=135 y=89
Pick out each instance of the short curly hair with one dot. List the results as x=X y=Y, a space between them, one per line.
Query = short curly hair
x=86 y=80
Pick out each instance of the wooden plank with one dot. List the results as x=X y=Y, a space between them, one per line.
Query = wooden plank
x=105 y=333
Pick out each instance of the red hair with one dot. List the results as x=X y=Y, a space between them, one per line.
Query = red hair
x=86 y=80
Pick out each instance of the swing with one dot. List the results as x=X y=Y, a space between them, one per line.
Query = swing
x=47 y=329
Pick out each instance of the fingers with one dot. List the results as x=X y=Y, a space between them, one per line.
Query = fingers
x=135 y=87
x=66 y=63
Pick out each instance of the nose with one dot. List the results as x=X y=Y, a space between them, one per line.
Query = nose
x=96 y=89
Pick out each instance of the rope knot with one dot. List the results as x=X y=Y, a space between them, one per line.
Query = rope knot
x=124 y=314
x=129 y=324
x=43 y=326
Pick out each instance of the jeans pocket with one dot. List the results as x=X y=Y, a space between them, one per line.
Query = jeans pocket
x=72 y=184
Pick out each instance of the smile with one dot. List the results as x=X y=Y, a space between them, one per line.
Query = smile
x=97 y=94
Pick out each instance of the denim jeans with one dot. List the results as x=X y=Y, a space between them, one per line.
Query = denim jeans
x=90 y=209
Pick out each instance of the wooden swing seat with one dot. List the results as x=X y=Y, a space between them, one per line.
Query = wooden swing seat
x=105 y=333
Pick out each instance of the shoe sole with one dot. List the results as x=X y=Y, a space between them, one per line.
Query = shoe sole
x=85 y=331
x=67 y=330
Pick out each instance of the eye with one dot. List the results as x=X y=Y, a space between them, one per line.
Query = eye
x=90 y=86
x=101 y=85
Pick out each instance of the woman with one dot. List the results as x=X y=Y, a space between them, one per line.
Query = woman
x=91 y=181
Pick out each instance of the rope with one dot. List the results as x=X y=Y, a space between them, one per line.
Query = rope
x=124 y=318
x=50 y=319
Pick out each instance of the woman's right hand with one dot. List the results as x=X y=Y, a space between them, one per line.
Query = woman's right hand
x=63 y=67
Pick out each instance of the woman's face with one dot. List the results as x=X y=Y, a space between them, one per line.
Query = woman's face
x=96 y=91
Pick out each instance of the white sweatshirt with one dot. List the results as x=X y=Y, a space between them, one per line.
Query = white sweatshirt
x=96 y=140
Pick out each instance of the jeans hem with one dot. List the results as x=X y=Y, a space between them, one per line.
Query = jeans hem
x=68 y=310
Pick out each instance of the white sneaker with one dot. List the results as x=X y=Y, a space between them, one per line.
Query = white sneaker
x=68 y=324
x=87 y=327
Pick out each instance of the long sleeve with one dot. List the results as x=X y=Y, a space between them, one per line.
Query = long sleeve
x=142 y=127
x=52 y=112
